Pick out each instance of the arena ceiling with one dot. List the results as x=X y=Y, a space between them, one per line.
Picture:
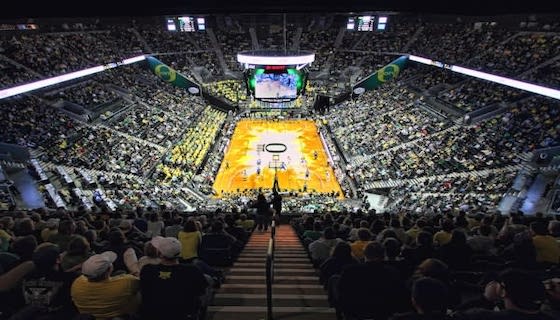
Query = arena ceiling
x=89 y=8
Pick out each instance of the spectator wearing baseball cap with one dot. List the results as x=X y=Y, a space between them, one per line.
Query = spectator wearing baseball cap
x=165 y=294
x=522 y=294
x=102 y=296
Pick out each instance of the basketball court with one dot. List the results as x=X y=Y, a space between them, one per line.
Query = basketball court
x=290 y=149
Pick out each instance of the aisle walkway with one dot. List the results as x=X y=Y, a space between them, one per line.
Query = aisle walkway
x=296 y=293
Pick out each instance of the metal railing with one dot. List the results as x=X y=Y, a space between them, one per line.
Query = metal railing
x=270 y=269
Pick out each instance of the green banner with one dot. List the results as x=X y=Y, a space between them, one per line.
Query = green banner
x=387 y=73
x=168 y=74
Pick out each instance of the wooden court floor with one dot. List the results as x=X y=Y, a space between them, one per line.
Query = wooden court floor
x=291 y=148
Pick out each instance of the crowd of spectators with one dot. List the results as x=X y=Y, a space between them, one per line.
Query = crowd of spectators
x=459 y=260
x=231 y=44
x=51 y=54
x=426 y=77
x=548 y=75
x=467 y=193
x=208 y=60
x=100 y=148
x=30 y=122
x=444 y=265
x=387 y=117
x=321 y=42
x=185 y=158
x=344 y=59
x=11 y=75
x=81 y=259
x=394 y=39
x=101 y=264
x=519 y=54
x=457 y=42
x=493 y=143
x=88 y=94
x=232 y=91
x=205 y=182
x=294 y=202
x=270 y=36
x=128 y=194
x=377 y=121
x=153 y=124
x=162 y=41
x=471 y=94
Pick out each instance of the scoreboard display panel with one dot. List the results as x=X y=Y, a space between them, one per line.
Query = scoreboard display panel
x=366 y=23
x=185 y=24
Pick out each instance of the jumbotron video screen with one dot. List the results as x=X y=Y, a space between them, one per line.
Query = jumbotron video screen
x=282 y=83
x=275 y=85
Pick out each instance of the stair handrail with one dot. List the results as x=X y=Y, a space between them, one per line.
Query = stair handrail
x=270 y=269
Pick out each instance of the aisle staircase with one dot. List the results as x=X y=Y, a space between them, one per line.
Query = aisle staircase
x=296 y=292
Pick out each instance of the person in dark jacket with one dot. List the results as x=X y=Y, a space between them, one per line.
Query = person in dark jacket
x=429 y=301
x=263 y=212
x=371 y=290
x=46 y=291
x=456 y=253
x=277 y=205
x=341 y=257
x=522 y=294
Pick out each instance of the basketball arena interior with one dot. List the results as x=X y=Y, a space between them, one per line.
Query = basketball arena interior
x=187 y=163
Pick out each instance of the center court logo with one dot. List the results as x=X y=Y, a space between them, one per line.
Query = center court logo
x=166 y=73
x=276 y=147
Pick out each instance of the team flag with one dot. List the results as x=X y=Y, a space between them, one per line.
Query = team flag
x=168 y=74
x=387 y=73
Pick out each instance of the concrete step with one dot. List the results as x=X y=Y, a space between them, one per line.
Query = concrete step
x=289 y=260
x=276 y=254
x=291 y=253
x=277 y=249
x=287 y=241
x=278 y=300
x=259 y=313
x=276 y=288
x=258 y=259
x=265 y=247
x=276 y=271
x=278 y=279
x=277 y=265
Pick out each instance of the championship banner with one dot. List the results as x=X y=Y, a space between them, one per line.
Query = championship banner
x=168 y=74
x=376 y=79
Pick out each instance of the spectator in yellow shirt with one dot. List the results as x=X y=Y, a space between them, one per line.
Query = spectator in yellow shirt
x=247 y=224
x=99 y=294
x=358 y=246
x=548 y=250
x=444 y=235
x=190 y=238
